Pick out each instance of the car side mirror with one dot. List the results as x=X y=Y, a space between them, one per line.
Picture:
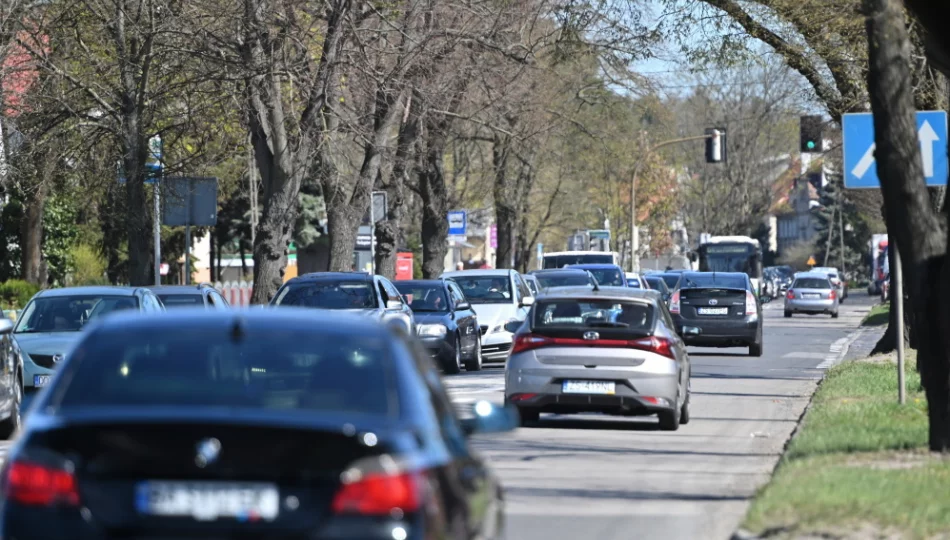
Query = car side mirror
x=6 y=325
x=393 y=304
x=463 y=305
x=489 y=417
x=527 y=301
x=512 y=326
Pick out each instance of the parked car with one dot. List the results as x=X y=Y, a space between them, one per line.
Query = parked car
x=11 y=381
x=607 y=275
x=563 y=277
x=289 y=423
x=52 y=321
x=718 y=309
x=657 y=283
x=605 y=350
x=841 y=284
x=358 y=292
x=445 y=323
x=203 y=294
x=636 y=281
x=812 y=293
x=498 y=297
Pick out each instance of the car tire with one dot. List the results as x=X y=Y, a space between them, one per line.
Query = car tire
x=475 y=363
x=684 y=411
x=453 y=364
x=528 y=416
x=788 y=314
x=834 y=315
x=755 y=349
x=10 y=426
x=670 y=420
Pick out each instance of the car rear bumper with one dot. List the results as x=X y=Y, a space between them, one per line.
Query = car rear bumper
x=714 y=333
x=811 y=306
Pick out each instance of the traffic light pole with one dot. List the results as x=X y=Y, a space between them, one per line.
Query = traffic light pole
x=634 y=230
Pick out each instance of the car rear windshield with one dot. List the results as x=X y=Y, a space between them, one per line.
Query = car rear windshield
x=577 y=313
x=424 y=297
x=69 y=313
x=327 y=294
x=571 y=279
x=317 y=369
x=608 y=277
x=670 y=279
x=811 y=283
x=560 y=261
x=181 y=300
x=485 y=289
x=657 y=283
x=713 y=280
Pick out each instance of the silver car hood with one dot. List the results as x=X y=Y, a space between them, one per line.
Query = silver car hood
x=47 y=343
x=492 y=314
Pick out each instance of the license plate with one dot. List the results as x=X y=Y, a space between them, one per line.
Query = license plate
x=208 y=501
x=713 y=311
x=40 y=380
x=588 y=387
x=811 y=295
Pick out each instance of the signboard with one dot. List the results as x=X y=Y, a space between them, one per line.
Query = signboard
x=190 y=201
x=811 y=261
x=379 y=207
x=860 y=168
x=727 y=248
x=493 y=237
x=404 y=266
x=458 y=223
x=164 y=269
x=364 y=241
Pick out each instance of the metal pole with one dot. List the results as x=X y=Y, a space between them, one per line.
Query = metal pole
x=897 y=302
x=844 y=269
x=372 y=236
x=157 y=211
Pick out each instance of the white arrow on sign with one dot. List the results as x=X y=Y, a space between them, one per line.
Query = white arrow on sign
x=927 y=137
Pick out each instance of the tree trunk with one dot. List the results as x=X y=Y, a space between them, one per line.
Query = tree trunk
x=910 y=216
x=139 y=217
x=31 y=228
x=214 y=268
x=888 y=341
x=506 y=210
x=432 y=188
x=389 y=230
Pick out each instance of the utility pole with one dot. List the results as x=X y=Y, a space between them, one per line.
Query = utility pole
x=844 y=268
x=831 y=233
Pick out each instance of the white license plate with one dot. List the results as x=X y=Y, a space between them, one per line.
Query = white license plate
x=811 y=296
x=40 y=381
x=208 y=501
x=588 y=387
x=713 y=311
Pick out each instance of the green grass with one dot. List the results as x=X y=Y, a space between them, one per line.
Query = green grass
x=878 y=315
x=859 y=459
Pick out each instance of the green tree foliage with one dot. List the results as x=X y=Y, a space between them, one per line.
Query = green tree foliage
x=829 y=226
x=89 y=268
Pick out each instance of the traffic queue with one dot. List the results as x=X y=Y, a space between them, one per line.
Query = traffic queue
x=161 y=412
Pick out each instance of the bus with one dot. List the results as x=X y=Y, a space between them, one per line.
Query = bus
x=732 y=254
x=560 y=259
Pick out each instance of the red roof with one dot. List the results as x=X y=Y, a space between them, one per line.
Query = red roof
x=18 y=72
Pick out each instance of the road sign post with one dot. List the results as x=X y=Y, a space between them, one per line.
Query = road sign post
x=156 y=150
x=860 y=172
x=458 y=223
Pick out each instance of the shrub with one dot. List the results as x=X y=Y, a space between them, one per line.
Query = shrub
x=90 y=268
x=15 y=293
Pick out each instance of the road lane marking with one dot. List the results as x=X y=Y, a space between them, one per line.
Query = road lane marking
x=839 y=349
x=813 y=355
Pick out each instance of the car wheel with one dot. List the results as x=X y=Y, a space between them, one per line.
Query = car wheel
x=834 y=315
x=528 y=416
x=475 y=363
x=11 y=425
x=684 y=412
x=453 y=364
x=755 y=349
x=670 y=420
x=788 y=314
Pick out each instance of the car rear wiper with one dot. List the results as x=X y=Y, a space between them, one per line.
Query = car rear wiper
x=608 y=324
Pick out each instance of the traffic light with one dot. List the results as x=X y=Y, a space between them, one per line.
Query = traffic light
x=715 y=145
x=810 y=129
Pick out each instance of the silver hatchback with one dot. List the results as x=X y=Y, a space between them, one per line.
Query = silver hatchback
x=608 y=350
x=812 y=293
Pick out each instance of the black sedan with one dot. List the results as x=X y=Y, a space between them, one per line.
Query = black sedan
x=718 y=309
x=272 y=424
x=564 y=277
x=445 y=323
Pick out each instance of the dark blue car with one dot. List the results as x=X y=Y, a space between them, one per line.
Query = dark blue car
x=607 y=275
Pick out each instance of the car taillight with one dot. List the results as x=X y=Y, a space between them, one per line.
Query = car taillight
x=790 y=295
x=527 y=342
x=40 y=485
x=750 y=307
x=675 y=302
x=833 y=294
x=379 y=494
x=658 y=345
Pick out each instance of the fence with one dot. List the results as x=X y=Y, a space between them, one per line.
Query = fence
x=237 y=293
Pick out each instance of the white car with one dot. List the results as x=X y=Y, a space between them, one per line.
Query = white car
x=836 y=279
x=498 y=297
x=636 y=281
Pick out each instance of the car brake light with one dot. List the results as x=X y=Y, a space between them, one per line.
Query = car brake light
x=527 y=342
x=790 y=294
x=379 y=494
x=750 y=307
x=833 y=294
x=40 y=485
x=675 y=302
x=654 y=344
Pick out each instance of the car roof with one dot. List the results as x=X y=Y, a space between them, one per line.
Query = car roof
x=279 y=318
x=320 y=276
x=436 y=281
x=593 y=265
x=179 y=289
x=567 y=270
x=812 y=274
x=477 y=272
x=616 y=293
x=98 y=290
x=824 y=269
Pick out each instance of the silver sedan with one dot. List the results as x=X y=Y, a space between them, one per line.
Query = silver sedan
x=608 y=350
x=812 y=293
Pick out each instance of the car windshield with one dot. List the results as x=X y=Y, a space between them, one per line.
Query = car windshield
x=574 y=312
x=424 y=297
x=287 y=370
x=657 y=283
x=565 y=279
x=181 y=300
x=560 y=261
x=608 y=277
x=485 y=289
x=712 y=280
x=670 y=279
x=327 y=294
x=532 y=285
x=69 y=313
x=811 y=283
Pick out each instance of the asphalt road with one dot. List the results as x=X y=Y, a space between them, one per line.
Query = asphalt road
x=605 y=477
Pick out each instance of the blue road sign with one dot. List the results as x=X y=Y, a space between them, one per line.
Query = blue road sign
x=458 y=223
x=860 y=169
